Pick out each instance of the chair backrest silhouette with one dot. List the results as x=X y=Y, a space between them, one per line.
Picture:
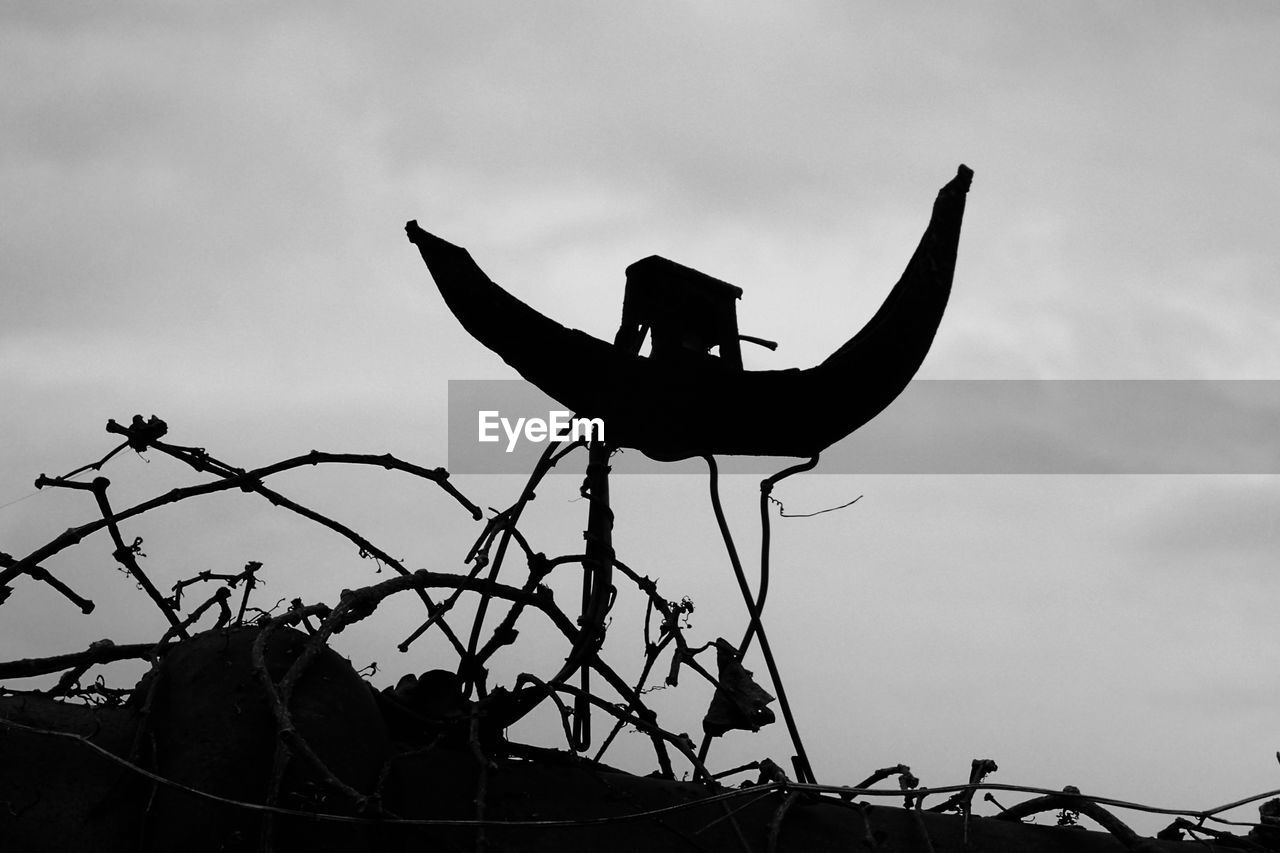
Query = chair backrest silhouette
x=687 y=313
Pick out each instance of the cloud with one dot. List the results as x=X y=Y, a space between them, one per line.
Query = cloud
x=1224 y=526
x=203 y=214
x=794 y=150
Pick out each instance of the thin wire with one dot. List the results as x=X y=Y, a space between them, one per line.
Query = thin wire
x=766 y=492
x=19 y=500
x=1208 y=814
x=337 y=818
x=782 y=510
x=70 y=476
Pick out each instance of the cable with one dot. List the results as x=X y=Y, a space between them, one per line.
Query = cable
x=842 y=792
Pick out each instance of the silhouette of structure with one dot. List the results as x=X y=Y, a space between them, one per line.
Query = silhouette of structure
x=683 y=401
x=688 y=313
x=254 y=735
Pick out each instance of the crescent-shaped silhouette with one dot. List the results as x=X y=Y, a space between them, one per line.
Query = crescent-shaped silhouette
x=677 y=409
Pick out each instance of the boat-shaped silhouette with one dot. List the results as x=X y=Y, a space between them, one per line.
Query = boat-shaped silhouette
x=676 y=407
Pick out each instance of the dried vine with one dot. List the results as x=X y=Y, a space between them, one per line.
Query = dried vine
x=490 y=709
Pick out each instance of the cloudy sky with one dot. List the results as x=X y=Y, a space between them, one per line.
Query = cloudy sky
x=202 y=219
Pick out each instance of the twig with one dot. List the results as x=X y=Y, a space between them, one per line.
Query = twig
x=505 y=633
x=364 y=545
x=192 y=456
x=201 y=577
x=724 y=796
x=597 y=585
x=69 y=680
x=608 y=820
x=1071 y=798
x=865 y=811
x=924 y=831
x=482 y=779
x=906 y=781
x=250 y=575
x=731 y=814
x=1217 y=834
x=961 y=800
x=359 y=604
x=642 y=723
x=469 y=667
x=219 y=597
x=689 y=839
x=200 y=460
x=775 y=825
x=884 y=773
x=479 y=555
x=103 y=651
x=289 y=740
x=766 y=491
x=651 y=657
x=94 y=466
x=29 y=565
x=13 y=568
x=124 y=554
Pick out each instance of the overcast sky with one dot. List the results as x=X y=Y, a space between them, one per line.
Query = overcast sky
x=202 y=218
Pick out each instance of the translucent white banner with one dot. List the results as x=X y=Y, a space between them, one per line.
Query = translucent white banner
x=947 y=427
